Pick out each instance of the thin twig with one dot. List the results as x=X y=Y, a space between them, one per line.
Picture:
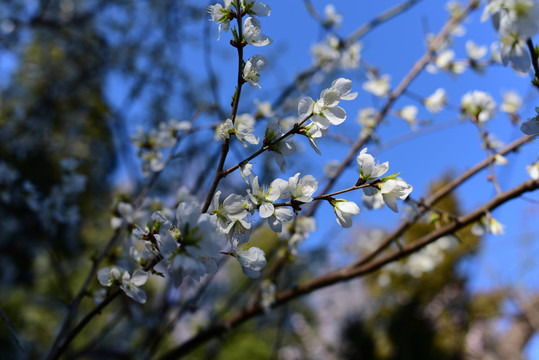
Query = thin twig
x=235 y=104
x=11 y=329
x=77 y=329
x=267 y=146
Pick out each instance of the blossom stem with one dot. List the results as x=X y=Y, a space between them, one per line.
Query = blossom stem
x=265 y=147
x=235 y=103
x=73 y=333
x=327 y=196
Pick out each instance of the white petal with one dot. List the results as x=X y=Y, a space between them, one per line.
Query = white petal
x=266 y=210
x=349 y=207
x=305 y=107
x=261 y=9
x=139 y=277
x=391 y=201
x=336 y=115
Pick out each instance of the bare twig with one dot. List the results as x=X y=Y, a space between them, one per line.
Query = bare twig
x=11 y=330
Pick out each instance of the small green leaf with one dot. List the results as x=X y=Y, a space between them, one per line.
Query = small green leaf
x=390 y=177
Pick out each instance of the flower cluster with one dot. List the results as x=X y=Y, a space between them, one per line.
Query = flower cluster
x=55 y=209
x=478 y=105
x=128 y=283
x=487 y=225
x=325 y=111
x=516 y=21
x=332 y=54
x=382 y=190
x=242 y=128
x=150 y=145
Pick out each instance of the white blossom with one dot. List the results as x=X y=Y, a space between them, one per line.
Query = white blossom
x=224 y=130
x=513 y=49
x=474 y=51
x=511 y=102
x=373 y=201
x=251 y=71
x=445 y=62
x=220 y=15
x=516 y=21
x=377 y=85
x=297 y=231
x=332 y=18
x=263 y=109
x=436 y=102
x=302 y=189
x=409 y=113
x=246 y=172
x=257 y=8
x=252 y=33
x=367 y=117
x=533 y=170
x=130 y=285
x=487 y=225
x=281 y=215
x=123 y=215
x=500 y=160
x=393 y=190
x=229 y=212
x=478 y=105
x=244 y=134
x=332 y=54
x=368 y=169
x=326 y=109
x=191 y=245
x=343 y=87
x=108 y=276
x=251 y=260
x=312 y=132
x=265 y=196
x=344 y=211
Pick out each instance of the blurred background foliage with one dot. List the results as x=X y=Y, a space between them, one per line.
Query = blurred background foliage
x=77 y=76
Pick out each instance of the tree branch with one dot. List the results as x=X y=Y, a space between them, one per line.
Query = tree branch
x=349 y=272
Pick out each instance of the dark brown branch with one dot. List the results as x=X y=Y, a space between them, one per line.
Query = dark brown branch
x=73 y=333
